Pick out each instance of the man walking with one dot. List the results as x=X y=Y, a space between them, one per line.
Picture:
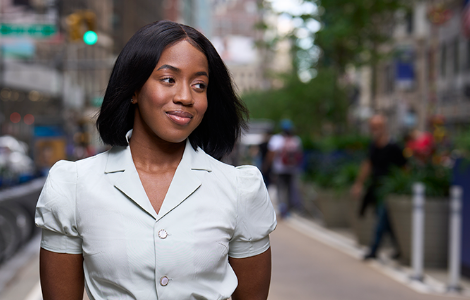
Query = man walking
x=383 y=154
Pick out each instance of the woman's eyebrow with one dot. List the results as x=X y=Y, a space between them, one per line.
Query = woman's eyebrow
x=169 y=67
x=175 y=69
x=202 y=74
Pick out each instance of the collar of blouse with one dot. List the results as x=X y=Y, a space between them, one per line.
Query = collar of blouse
x=121 y=172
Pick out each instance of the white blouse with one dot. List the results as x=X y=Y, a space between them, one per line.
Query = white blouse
x=98 y=207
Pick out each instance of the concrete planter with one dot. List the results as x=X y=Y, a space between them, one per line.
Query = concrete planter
x=335 y=208
x=436 y=224
x=309 y=199
x=363 y=226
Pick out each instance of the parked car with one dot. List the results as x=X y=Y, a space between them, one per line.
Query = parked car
x=15 y=164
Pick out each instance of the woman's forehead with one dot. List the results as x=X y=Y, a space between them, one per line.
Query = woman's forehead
x=182 y=50
x=183 y=54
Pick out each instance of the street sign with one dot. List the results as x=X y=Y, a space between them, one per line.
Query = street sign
x=32 y=30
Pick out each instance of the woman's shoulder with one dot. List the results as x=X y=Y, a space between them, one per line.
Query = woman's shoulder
x=66 y=170
x=94 y=160
x=250 y=182
x=217 y=165
x=233 y=171
x=237 y=177
x=248 y=171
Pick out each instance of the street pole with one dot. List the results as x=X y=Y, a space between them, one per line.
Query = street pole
x=417 y=246
x=3 y=116
x=455 y=233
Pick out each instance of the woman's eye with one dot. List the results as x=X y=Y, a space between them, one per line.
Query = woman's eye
x=168 y=80
x=200 y=86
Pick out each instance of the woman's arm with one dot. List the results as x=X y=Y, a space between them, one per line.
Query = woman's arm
x=62 y=275
x=254 y=276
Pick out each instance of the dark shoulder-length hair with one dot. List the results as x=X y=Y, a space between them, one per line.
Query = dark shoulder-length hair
x=225 y=115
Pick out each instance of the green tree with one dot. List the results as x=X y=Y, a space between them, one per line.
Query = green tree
x=353 y=32
x=313 y=106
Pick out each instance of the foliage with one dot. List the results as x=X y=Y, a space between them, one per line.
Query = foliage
x=353 y=30
x=335 y=160
x=309 y=105
x=348 y=142
x=436 y=179
x=462 y=143
x=338 y=177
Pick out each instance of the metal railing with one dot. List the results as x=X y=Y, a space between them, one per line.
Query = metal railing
x=17 y=207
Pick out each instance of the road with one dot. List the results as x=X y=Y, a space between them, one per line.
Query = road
x=303 y=269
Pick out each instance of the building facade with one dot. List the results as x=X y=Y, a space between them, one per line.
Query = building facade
x=428 y=72
x=235 y=36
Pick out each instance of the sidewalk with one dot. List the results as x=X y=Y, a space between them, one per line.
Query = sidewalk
x=434 y=283
x=19 y=277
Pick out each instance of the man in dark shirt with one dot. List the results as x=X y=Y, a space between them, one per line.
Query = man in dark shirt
x=383 y=155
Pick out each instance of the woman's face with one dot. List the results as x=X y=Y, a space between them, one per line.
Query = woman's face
x=173 y=100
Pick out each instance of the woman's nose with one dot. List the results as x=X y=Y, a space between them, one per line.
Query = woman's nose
x=183 y=95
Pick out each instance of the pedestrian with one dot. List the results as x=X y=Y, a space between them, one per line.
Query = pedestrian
x=263 y=156
x=285 y=156
x=383 y=155
x=159 y=216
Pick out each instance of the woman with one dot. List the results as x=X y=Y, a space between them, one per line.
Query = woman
x=158 y=216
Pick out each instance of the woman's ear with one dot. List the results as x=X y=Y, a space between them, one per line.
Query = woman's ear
x=134 y=99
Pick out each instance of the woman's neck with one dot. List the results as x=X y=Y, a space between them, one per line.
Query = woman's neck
x=152 y=154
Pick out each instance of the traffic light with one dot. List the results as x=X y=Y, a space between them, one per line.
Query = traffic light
x=90 y=37
x=74 y=26
x=81 y=26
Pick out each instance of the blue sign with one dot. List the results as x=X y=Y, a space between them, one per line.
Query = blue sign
x=48 y=131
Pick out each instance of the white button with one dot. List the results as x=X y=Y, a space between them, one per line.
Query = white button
x=164 y=281
x=162 y=234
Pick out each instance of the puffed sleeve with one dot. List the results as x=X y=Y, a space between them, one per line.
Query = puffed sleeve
x=55 y=210
x=256 y=217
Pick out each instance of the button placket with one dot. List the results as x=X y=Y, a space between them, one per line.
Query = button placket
x=161 y=273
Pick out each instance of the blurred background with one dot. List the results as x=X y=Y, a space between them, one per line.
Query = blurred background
x=312 y=72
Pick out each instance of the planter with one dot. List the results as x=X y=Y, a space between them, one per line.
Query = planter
x=335 y=208
x=308 y=196
x=363 y=226
x=436 y=232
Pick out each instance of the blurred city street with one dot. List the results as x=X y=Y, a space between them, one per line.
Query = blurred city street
x=359 y=123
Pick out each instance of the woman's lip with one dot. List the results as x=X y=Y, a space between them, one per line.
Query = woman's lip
x=179 y=117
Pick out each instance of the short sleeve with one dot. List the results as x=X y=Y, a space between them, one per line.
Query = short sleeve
x=256 y=217
x=55 y=210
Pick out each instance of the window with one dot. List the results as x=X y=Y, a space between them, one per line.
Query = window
x=456 y=56
x=443 y=62
x=409 y=22
x=389 y=79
